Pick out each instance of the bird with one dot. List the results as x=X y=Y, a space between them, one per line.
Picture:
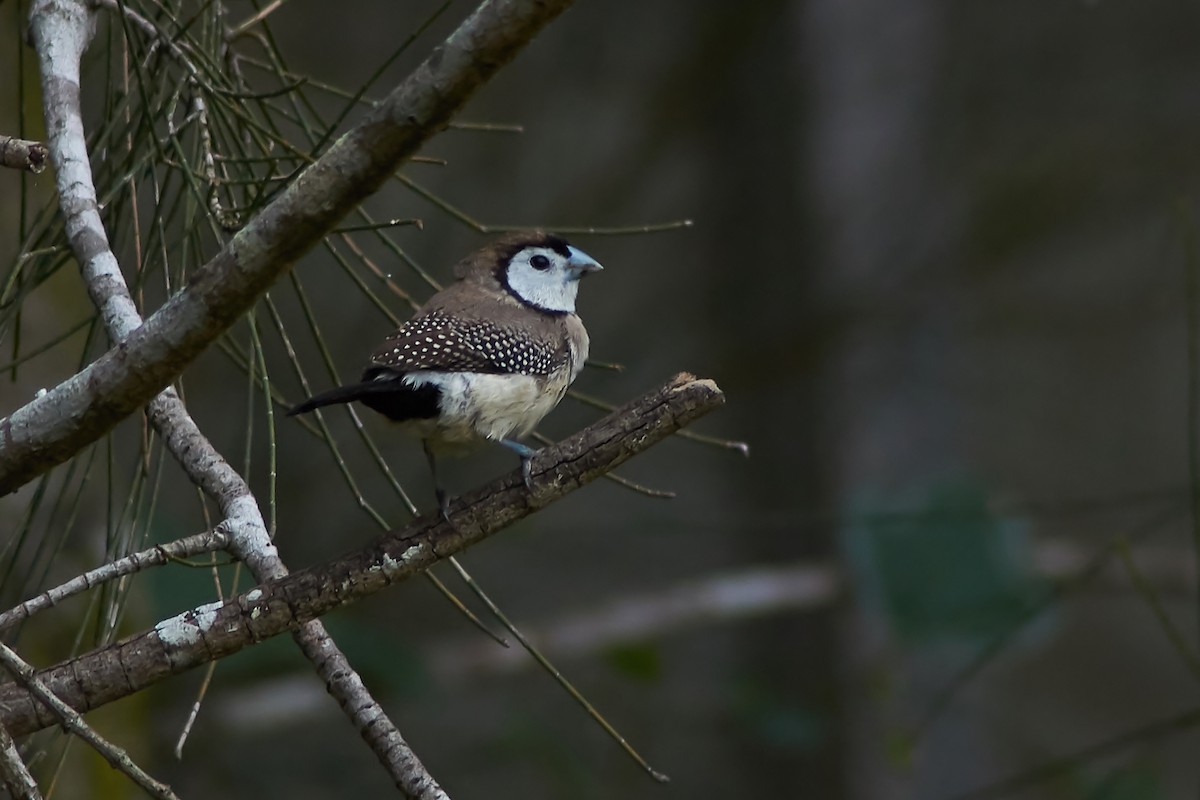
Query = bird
x=484 y=359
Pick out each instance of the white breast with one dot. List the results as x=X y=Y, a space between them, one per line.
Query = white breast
x=477 y=405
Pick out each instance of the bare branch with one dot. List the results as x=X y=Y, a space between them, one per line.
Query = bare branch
x=69 y=718
x=186 y=547
x=220 y=629
x=22 y=154
x=367 y=716
x=17 y=780
x=243 y=27
x=53 y=427
x=151 y=31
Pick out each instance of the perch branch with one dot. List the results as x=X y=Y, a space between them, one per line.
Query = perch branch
x=217 y=630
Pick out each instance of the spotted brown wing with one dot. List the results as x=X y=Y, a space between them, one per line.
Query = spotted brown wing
x=441 y=343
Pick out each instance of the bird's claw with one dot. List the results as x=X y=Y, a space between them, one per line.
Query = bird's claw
x=527 y=471
x=443 y=501
x=526 y=454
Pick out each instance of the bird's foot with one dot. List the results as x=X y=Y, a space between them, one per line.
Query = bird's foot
x=526 y=453
x=527 y=471
x=443 y=501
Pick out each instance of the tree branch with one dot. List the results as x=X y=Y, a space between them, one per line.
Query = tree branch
x=22 y=154
x=17 y=780
x=69 y=718
x=186 y=547
x=217 y=630
x=53 y=427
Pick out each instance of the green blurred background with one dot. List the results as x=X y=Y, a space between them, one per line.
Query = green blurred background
x=939 y=265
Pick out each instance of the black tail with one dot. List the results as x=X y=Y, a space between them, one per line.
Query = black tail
x=392 y=398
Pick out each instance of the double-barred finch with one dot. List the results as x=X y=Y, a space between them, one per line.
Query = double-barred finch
x=487 y=357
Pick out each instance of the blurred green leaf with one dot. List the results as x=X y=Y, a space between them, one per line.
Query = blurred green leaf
x=641 y=662
x=386 y=662
x=949 y=571
x=1135 y=782
x=900 y=747
x=780 y=721
x=791 y=728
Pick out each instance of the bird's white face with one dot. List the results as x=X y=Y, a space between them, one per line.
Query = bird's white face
x=548 y=279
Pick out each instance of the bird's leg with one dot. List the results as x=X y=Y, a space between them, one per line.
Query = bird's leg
x=526 y=453
x=443 y=500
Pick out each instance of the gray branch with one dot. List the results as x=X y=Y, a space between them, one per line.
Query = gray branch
x=17 y=779
x=219 y=629
x=157 y=555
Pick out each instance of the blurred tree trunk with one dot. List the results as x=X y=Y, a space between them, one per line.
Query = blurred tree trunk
x=757 y=149
x=871 y=66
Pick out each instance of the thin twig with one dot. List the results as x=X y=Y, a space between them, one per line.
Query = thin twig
x=640 y=488
x=604 y=405
x=489 y=227
x=151 y=31
x=1070 y=764
x=611 y=366
x=388 y=223
x=254 y=19
x=206 y=681
x=1148 y=593
x=625 y=619
x=569 y=687
x=194 y=712
x=487 y=127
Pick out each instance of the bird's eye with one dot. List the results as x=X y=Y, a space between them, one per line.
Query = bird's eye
x=539 y=262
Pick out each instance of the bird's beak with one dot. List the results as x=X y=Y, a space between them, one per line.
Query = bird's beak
x=580 y=263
